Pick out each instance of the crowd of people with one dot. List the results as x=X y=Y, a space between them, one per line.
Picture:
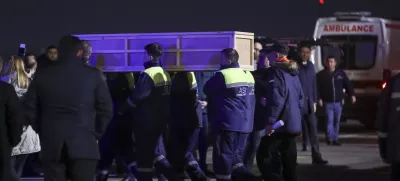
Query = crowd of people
x=81 y=119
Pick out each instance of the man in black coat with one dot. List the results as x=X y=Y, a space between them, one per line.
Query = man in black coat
x=10 y=127
x=72 y=106
x=308 y=82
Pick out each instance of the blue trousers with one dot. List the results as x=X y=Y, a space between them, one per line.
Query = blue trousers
x=181 y=145
x=228 y=154
x=118 y=139
x=333 y=111
x=253 y=141
x=203 y=142
x=150 y=147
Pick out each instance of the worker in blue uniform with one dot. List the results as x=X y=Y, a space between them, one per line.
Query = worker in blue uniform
x=185 y=125
x=227 y=93
x=151 y=101
x=118 y=136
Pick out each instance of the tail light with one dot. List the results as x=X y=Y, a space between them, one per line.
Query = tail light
x=386 y=74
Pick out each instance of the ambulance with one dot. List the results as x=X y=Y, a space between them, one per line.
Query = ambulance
x=367 y=49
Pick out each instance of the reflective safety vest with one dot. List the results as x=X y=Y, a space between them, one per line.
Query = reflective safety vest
x=250 y=99
x=152 y=96
x=232 y=107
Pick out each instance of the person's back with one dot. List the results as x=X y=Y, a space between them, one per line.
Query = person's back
x=184 y=105
x=73 y=110
x=292 y=91
x=230 y=100
x=10 y=127
x=158 y=96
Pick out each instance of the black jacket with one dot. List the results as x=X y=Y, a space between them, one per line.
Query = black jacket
x=261 y=78
x=308 y=84
x=10 y=127
x=71 y=105
x=185 y=108
x=331 y=84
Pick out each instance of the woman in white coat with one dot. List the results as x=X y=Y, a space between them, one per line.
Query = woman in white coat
x=30 y=143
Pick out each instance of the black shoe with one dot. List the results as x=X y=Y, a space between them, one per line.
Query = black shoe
x=319 y=161
x=329 y=143
x=336 y=143
x=102 y=177
x=129 y=178
x=304 y=148
x=210 y=174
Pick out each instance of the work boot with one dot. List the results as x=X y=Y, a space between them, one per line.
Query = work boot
x=102 y=177
x=129 y=178
x=336 y=143
x=319 y=161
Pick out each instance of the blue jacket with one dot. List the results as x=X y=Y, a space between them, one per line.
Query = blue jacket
x=227 y=95
x=331 y=85
x=202 y=78
x=308 y=83
x=185 y=108
x=250 y=100
x=387 y=122
x=151 y=97
x=285 y=98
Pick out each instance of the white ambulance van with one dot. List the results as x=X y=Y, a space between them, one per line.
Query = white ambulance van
x=367 y=49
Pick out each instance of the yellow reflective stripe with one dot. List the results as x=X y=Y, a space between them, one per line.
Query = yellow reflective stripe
x=222 y=177
x=159 y=76
x=234 y=77
x=131 y=79
x=192 y=80
x=236 y=166
x=250 y=78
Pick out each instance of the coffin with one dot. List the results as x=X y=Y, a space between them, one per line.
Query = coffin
x=190 y=51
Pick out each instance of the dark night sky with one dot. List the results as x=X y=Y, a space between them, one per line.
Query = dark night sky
x=39 y=23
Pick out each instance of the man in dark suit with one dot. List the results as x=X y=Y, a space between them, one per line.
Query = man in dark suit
x=72 y=106
x=10 y=127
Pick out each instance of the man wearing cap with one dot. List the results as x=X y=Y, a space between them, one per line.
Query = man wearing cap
x=284 y=101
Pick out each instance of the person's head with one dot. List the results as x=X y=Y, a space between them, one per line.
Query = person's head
x=263 y=61
x=70 y=46
x=154 y=52
x=52 y=53
x=87 y=49
x=257 y=48
x=330 y=63
x=30 y=61
x=281 y=50
x=17 y=66
x=304 y=52
x=229 y=56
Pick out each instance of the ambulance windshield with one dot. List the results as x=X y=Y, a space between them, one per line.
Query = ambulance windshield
x=352 y=52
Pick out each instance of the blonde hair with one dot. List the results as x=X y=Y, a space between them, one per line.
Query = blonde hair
x=17 y=66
